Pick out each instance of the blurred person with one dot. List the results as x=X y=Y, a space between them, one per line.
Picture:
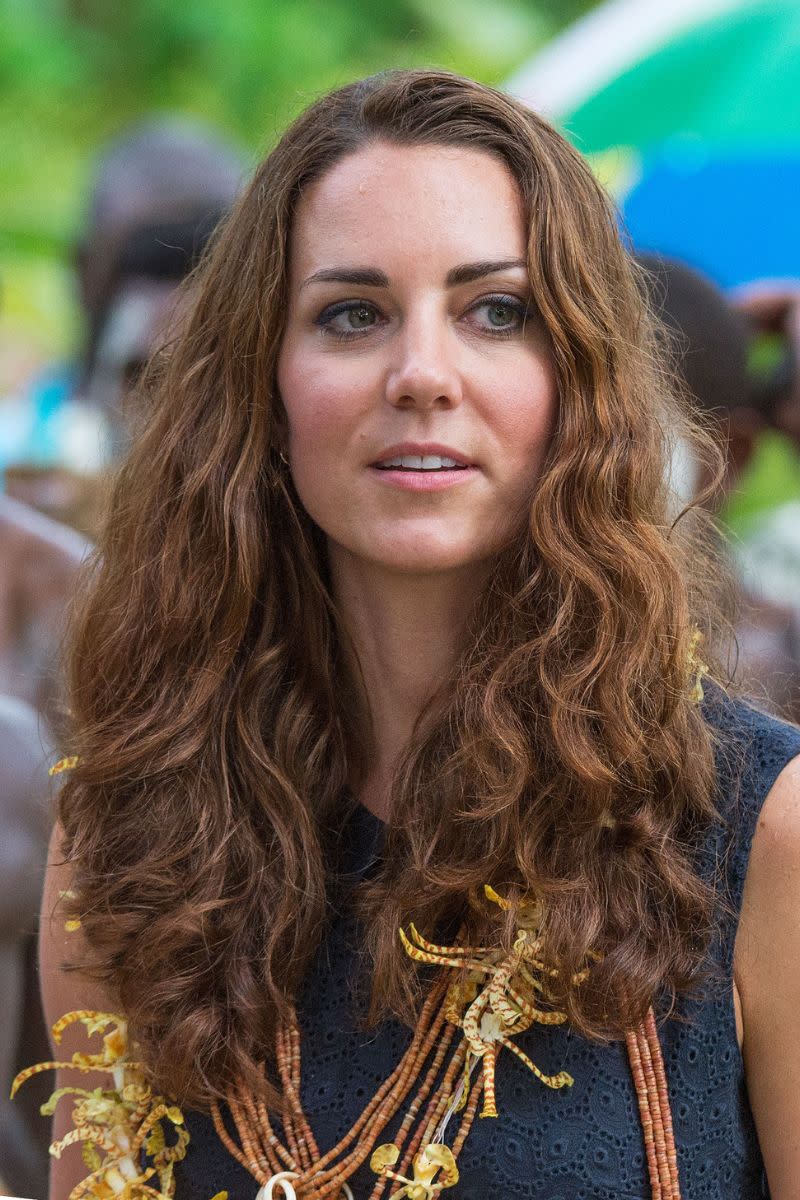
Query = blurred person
x=389 y=612
x=710 y=342
x=772 y=307
x=768 y=545
x=24 y=830
x=39 y=559
x=157 y=193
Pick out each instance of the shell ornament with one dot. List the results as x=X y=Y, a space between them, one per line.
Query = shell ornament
x=497 y=995
x=130 y=1137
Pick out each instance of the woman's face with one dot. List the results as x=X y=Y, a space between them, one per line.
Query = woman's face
x=415 y=374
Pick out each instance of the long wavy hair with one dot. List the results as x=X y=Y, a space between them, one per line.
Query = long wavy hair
x=220 y=738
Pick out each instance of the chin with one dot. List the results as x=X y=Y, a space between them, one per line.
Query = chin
x=421 y=556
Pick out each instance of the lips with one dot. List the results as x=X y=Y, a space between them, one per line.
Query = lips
x=423 y=467
x=416 y=456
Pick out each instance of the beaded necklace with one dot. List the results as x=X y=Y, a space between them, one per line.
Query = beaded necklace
x=484 y=994
x=489 y=997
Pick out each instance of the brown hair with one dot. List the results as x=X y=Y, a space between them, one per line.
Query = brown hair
x=217 y=734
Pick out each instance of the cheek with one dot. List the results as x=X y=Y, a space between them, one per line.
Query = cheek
x=524 y=424
x=322 y=411
x=315 y=402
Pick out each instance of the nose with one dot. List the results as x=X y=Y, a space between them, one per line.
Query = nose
x=424 y=374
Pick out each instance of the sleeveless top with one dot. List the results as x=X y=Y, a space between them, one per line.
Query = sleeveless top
x=584 y=1142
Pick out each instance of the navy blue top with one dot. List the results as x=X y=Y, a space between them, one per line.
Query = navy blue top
x=583 y=1142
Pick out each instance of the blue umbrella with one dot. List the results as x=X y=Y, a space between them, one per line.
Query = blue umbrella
x=734 y=216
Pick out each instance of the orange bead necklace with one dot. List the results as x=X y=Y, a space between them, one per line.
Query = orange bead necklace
x=486 y=995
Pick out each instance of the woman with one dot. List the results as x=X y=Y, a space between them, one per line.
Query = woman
x=390 y=607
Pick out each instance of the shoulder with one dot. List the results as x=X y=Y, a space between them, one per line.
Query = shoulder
x=752 y=748
x=770 y=918
x=756 y=758
x=771 y=903
x=767 y=975
x=778 y=827
x=61 y=946
x=65 y=991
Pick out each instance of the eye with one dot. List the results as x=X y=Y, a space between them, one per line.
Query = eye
x=348 y=318
x=500 y=314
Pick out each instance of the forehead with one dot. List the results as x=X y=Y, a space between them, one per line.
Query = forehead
x=442 y=203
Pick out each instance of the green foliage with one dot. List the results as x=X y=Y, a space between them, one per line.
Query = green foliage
x=74 y=72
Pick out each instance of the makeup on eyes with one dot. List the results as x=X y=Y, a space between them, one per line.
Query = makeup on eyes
x=357 y=314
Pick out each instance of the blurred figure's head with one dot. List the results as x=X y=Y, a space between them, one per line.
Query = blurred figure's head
x=710 y=347
x=772 y=309
x=157 y=193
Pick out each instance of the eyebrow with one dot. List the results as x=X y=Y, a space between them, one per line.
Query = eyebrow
x=469 y=272
x=362 y=276
x=373 y=277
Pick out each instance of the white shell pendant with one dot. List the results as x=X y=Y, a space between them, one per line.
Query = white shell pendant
x=283 y=1180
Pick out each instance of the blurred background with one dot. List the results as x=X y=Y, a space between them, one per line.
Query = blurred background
x=127 y=131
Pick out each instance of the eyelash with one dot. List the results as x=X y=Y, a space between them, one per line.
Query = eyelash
x=329 y=314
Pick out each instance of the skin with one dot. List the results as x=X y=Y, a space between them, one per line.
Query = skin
x=426 y=365
x=767 y=981
x=405 y=565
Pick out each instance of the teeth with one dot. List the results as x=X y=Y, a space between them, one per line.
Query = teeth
x=419 y=462
x=436 y=461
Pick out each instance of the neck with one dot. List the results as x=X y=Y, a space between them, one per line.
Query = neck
x=404 y=633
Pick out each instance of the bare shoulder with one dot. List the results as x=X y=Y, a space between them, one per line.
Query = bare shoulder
x=64 y=991
x=772 y=886
x=767 y=976
x=780 y=814
x=63 y=950
x=59 y=944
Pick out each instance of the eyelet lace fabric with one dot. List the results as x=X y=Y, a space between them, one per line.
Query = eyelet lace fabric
x=584 y=1142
